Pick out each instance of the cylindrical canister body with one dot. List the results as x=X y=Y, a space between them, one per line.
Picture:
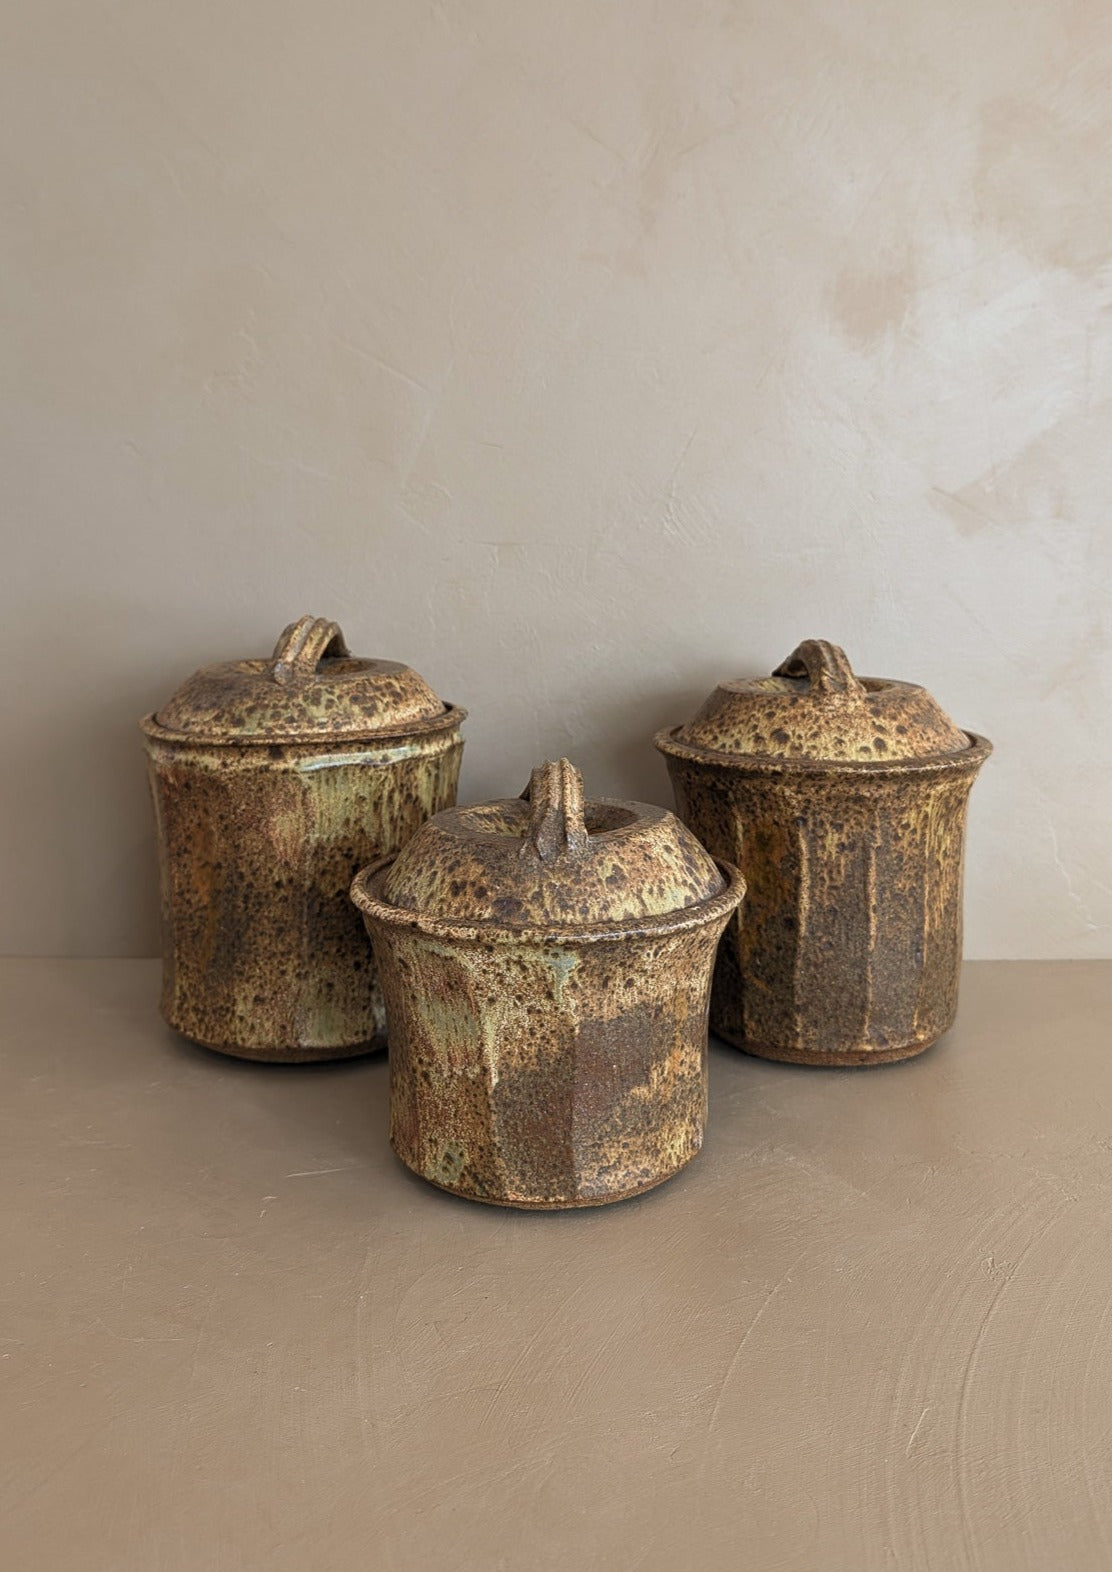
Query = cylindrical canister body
x=263 y=954
x=842 y=799
x=546 y=965
x=849 y=951
x=273 y=781
x=536 y=1074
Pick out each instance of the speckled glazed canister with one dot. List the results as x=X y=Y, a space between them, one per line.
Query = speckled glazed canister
x=546 y=964
x=273 y=782
x=843 y=801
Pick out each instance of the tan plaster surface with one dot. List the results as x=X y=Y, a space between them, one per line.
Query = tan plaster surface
x=869 y=1328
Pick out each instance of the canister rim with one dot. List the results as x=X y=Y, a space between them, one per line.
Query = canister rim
x=450 y=717
x=969 y=758
x=365 y=887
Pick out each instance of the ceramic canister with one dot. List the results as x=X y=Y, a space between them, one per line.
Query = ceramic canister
x=273 y=782
x=843 y=801
x=546 y=964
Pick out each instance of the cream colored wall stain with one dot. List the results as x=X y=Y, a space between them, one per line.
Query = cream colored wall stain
x=869 y=304
x=1042 y=178
x=578 y=355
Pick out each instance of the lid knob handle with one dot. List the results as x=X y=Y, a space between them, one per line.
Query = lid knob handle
x=557 y=827
x=303 y=645
x=824 y=665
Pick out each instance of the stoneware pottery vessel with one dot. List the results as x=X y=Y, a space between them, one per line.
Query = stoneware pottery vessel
x=546 y=964
x=843 y=801
x=273 y=781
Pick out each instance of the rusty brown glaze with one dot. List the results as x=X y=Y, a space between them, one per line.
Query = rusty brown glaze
x=273 y=781
x=843 y=801
x=546 y=966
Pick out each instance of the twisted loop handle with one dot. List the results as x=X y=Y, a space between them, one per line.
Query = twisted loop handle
x=303 y=645
x=824 y=665
x=557 y=827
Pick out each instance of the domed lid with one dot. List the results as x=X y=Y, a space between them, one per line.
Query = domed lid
x=814 y=709
x=549 y=858
x=311 y=687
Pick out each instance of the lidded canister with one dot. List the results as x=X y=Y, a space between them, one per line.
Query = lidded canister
x=843 y=801
x=273 y=782
x=546 y=964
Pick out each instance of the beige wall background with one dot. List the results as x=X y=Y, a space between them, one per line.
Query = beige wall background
x=579 y=354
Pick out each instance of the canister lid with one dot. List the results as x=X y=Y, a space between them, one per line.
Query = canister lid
x=311 y=687
x=550 y=858
x=812 y=709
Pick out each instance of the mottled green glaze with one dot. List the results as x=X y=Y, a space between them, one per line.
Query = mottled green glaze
x=547 y=1076
x=813 y=707
x=475 y=864
x=536 y=1062
x=849 y=951
x=263 y=956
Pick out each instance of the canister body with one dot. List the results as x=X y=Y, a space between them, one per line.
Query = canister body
x=849 y=948
x=543 y=1073
x=263 y=954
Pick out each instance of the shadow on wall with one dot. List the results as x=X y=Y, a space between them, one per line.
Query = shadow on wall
x=629 y=758
x=96 y=752
x=612 y=746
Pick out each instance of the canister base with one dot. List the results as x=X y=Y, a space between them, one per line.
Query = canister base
x=550 y=1206
x=293 y=1055
x=854 y=1058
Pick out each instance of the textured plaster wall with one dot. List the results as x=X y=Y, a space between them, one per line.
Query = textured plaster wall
x=579 y=354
